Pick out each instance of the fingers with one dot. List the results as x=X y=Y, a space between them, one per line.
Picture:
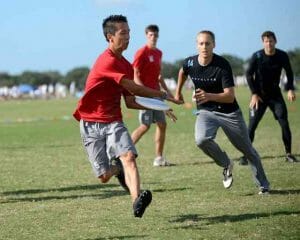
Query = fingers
x=171 y=115
x=176 y=101
x=292 y=97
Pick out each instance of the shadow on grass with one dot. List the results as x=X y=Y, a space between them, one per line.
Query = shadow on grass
x=61 y=189
x=103 y=195
x=193 y=220
x=270 y=157
x=17 y=196
x=171 y=189
x=200 y=162
x=278 y=156
x=18 y=147
x=118 y=237
x=279 y=192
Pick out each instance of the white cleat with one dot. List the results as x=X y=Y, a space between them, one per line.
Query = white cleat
x=227 y=173
x=161 y=162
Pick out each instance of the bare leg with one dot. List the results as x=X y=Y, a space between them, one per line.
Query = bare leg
x=160 y=136
x=106 y=176
x=139 y=132
x=132 y=177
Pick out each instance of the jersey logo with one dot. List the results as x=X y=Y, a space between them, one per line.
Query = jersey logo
x=258 y=55
x=151 y=58
x=190 y=63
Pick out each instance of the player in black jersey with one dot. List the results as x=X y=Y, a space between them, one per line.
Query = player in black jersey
x=263 y=77
x=217 y=107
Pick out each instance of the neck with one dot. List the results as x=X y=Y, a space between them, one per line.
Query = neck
x=203 y=61
x=116 y=52
x=151 y=46
x=270 y=52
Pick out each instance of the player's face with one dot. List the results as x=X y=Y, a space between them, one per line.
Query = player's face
x=269 y=44
x=152 y=38
x=120 y=39
x=205 y=45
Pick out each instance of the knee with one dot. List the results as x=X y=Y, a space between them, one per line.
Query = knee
x=104 y=178
x=128 y=160
x=162 y=126
x=283 y=121
x=201 y=141
x=144 y=128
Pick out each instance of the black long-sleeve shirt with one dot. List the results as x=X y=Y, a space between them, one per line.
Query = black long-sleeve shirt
x=263 y=73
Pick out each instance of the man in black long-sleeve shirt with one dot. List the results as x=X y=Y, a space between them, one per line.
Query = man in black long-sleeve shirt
x=263 y=77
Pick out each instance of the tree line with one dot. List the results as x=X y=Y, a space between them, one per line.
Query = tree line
x=78 y=75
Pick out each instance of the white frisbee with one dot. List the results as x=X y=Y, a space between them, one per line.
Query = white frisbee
x=152 y=103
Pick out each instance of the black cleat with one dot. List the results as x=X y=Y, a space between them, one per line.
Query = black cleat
x=264 y=191
x=121 y=176
x=291 y=158
x=140 y=204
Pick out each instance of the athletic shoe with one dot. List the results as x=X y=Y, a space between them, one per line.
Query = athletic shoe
x=290 y=158
x=263 y=191
x=120 y=176
x=161 y=162
x=140 y=204
x=243 y=161
x=227 y=173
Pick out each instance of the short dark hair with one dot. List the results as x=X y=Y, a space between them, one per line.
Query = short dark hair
x=152 y=28
x=268 y=34
x=210 y=33
x=109 y=26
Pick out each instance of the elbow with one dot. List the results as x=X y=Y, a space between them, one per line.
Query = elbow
x=230 y=98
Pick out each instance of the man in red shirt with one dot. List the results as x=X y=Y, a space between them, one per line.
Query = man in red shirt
x=147 y=72
x=105 y=137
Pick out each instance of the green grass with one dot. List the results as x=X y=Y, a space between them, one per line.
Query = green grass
x=48 y=191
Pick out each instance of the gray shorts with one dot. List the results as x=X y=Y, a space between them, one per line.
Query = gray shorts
x=147 y=117
x=104 y=142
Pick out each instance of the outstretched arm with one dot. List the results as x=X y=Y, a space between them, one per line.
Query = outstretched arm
x=180 y=82
x=164 y=85
x=143 y=91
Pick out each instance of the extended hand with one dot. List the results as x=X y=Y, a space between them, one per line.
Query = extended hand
x=291 y=96
x=171 y=115
x=255 y=99
x=178 y=99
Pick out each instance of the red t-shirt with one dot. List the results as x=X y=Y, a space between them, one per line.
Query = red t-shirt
x=102 y=99
x=148 y=62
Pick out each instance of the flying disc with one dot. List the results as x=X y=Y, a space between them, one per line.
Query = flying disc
x=152 y=103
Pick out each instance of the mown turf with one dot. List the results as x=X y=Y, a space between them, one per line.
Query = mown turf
x=47 y=189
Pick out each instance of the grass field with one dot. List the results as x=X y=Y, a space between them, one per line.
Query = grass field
x=48 y=191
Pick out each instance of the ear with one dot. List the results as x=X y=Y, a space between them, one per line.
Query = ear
x=110 y=37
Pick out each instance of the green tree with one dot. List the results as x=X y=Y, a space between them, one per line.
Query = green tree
x=77 y=75
x=294 y=56
x=236 y=64
x=170 y=70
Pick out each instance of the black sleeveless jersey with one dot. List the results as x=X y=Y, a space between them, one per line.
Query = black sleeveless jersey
x=263 y=73
x=212 y=78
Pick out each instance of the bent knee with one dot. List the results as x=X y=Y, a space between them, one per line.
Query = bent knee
x=144 y=127
x=202 y=141
x=128 y=158
x=104 y=178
